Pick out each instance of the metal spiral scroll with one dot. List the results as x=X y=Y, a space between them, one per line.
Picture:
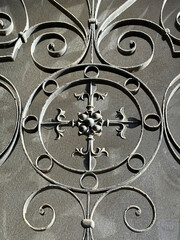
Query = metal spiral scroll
x=175 y=39
x=7 y=85
x=6 y=28
x=51 y=48
x=23 y=36
x=171 y=90
x=44 y=206
x=5 y=31
x=87 y=218
x=105 y=28
x=137 y=208
x=132 y=44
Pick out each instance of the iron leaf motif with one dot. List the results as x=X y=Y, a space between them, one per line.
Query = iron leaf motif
x=122 y=127
x=81 y=96
x=58 y=129
x=100 y=95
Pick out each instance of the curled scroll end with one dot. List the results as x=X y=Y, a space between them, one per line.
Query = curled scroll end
x=138 y=212
x=42 y=211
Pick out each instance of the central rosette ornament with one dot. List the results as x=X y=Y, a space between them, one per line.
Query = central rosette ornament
x=90 y=123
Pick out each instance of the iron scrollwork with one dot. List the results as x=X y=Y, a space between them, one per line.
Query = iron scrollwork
x=6 y=29
x=175 y=39
x=90 y=122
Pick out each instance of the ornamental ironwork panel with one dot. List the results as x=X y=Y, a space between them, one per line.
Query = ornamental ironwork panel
x=94 y=110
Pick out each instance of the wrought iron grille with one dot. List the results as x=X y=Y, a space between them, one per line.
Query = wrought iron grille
x=92 y=126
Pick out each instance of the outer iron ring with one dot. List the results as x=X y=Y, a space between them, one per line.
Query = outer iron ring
x=103 y=67
x=12 y=90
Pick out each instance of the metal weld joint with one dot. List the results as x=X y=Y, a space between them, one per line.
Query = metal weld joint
x=93 y=21
x=88 y=223
x=23 y=37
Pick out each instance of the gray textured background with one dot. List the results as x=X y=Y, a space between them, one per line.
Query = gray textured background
x=18 y=180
